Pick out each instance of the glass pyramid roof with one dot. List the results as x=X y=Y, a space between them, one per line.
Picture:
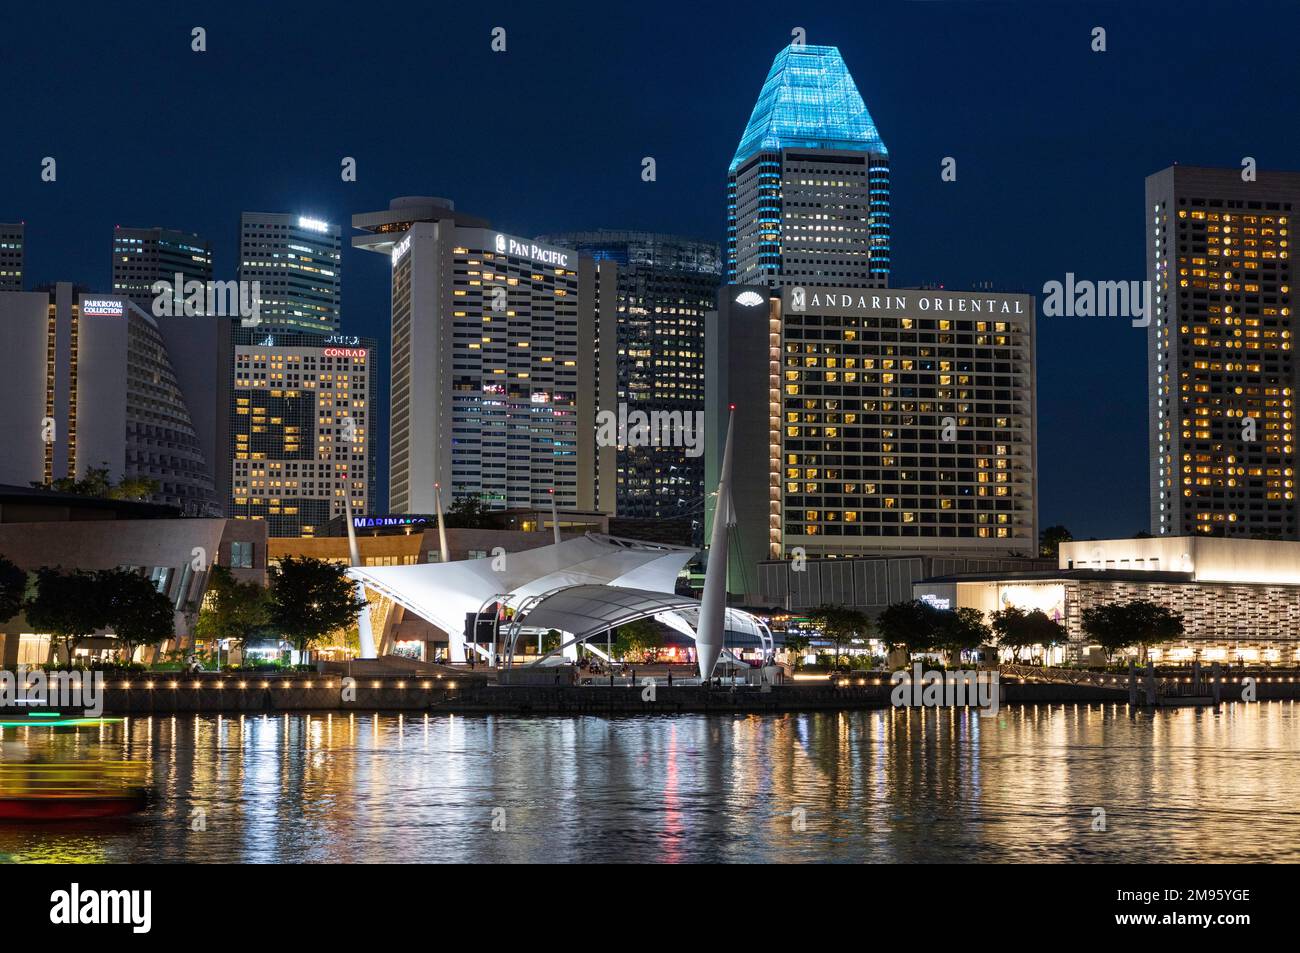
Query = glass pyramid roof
x=809 y=100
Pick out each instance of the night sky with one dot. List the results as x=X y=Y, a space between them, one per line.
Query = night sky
x=1052 y=143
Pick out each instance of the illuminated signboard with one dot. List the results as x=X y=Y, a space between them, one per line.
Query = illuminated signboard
x=401 y=249
x=102 y=307
x=313 y=224
x=531 y=250
x=369 y=522
x=879 y=303
x=750 y=299
x=355 y=352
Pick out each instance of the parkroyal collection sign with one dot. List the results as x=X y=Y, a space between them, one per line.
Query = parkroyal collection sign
x=876 y=302
x=103 y=308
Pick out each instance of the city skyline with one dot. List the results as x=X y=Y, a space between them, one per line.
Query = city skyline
x=1053 y=201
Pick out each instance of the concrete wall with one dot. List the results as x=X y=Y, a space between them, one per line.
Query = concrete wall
x=107 y=544
x=1209 y=559
x=871 y=583
x=25 y=320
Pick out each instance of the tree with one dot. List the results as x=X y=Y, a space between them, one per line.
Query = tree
x=1018 y=630
x=231 y=609
x=1154 y=624
x=796 y=646
x=13 y=589
x=960 y=629
x=841 y=625
x=97 y=483
x=468 y=512
x=1008 y=624
x=910 y=625
x=1050 y=540
x=1043 y=630
x=135 y=610
x=552 y=640
x=636 y=639
x=69 y=606
x=1139 y=622
x=134 y=488
x=310 y=599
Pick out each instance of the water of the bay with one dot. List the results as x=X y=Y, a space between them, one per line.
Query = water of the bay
x=1027 y=784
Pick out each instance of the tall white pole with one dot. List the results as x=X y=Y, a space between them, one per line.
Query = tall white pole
x=555 y=519
x=455 y=640
x=365 y=634
x=443 y=552
x=713 y=604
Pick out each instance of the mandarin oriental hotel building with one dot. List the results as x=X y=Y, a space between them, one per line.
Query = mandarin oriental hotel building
x=897 y=422
x=503 y=350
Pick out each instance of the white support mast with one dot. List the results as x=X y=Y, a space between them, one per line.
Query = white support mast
x=713 y=604
x=365 y=635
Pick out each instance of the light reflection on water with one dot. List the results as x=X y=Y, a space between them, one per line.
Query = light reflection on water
x=1179 y=785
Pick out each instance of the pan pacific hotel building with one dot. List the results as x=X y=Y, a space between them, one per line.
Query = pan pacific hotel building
x=503 y=350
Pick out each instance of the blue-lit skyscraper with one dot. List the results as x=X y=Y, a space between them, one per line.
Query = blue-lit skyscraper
x=808 y=189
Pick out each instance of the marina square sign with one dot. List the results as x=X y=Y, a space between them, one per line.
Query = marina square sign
x=875 y=302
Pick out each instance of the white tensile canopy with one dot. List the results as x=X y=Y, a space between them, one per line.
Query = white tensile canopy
x=581 y=587
x=445 y=593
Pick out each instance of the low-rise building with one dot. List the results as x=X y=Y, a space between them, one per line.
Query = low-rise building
x=40 y=528
x=1239 y=599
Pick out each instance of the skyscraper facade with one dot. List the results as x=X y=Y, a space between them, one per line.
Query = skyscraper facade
x=297 y=262
x=498 y=343
x=142 y=256
x=12 y=240
x=666 y=285
x=891 y=422
x=92 y=381
x=808 y=188
x=1221 y=352
x=301 y=428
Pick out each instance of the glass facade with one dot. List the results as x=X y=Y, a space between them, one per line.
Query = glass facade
x=808 y=188
x=300 y=428
x=666 y=285
x=142 y=256
x=11 y=256
x=297 y=262
x=1221 y=358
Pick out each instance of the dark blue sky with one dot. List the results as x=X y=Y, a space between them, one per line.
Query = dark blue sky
x=1052 y=143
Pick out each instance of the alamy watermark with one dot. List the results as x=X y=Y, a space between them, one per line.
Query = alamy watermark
x=1098 y=299
x=655 y=428
x=75 y=689
x=937 y=689
x=218 y=299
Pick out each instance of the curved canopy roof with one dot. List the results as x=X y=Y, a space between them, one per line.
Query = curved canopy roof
x=585 y=611
x=444 y=593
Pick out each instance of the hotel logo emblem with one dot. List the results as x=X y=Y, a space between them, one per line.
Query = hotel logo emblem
x=501 y=243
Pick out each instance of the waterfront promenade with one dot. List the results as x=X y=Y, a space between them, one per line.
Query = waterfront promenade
x=452 y=691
